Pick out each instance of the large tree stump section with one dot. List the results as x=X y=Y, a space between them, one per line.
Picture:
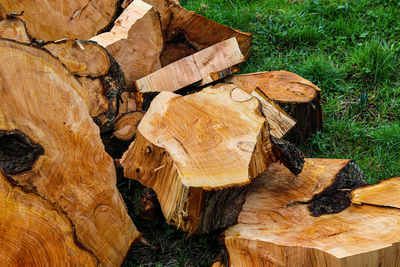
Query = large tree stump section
x=35 y=233
x=202 y=66
x=58 y=155
x=199 y=153
x=135 y=41
x=296 y=95
x=53 y=20
x=14 y=28
x=384 y=194
x=278 y=224
x=98 y=72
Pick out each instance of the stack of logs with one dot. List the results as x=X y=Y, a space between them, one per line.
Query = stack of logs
x=152 y=84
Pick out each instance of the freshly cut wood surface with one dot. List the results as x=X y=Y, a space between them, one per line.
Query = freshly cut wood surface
x=98 y=72
x=296 y=95
x=135 y=41
x=194 y=68
x=198 y=153
x=56 y=19
x=201 y=32
x=35 y=233
x=385 y=193
x=276 y=226
x=279 y=121
x=58 y=154
x=126 y=125
x=14 y=28
x=81 y=58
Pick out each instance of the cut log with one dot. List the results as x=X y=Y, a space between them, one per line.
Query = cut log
x=217 y=59
x=278 y=227
x=198 y=153
x=14 y=28
x=296 y=95
x=126 y=125
x=35 y=233
x=280 y=123
x=135 y=41
x=201 y=32
x=56 y=19
x=385 y=194
x=99 y=74
x=56 y=153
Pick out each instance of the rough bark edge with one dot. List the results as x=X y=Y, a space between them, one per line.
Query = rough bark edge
x=337 y=196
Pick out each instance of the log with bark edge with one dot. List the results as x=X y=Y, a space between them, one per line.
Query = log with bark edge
x=296 y=95
x=50 y=145
x=279 y=121
x=206 y=66
x=126 y=125
x=185 y=28
x=53 y=20
x=278 y=224
x=198 y=153
x=386 y=194
x=98 y=72
x=14 y=28
x=135 y=41
x=35 y=233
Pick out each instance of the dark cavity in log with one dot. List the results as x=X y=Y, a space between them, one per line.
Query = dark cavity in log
x=18 y=153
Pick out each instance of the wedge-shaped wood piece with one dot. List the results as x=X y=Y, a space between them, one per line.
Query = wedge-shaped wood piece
x=35 y=233
x=385 y=193
x=216 y=60
x=296 y=95
x=56 y=19
x=277 y=226
x=201 y=32
x=135 y=41
x=50 y=146
x=279 y=121
x=198 y=153
x=98 y=72
x=14 y=28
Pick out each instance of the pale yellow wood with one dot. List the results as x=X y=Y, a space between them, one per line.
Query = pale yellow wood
x=135 y=41
x=275 y=227
x=197 y=67
x=190 y=147
x=385 y=193
x=126 y=126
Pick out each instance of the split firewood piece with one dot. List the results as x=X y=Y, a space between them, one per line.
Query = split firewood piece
x=216 y=60
x=201 y=32
x=279 y=121
x=14 y=28
x=386 y=194
x=98 y=72
x=56 y=153
x=53 y=20
x=35 y=233
x=126 y=125
x=296 y=95
x=278 y=227
x=199 y=152
x=135 y=41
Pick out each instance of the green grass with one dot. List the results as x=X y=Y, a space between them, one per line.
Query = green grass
x=348 y=48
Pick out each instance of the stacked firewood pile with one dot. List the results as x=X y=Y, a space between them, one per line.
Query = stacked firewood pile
x=153 y=85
